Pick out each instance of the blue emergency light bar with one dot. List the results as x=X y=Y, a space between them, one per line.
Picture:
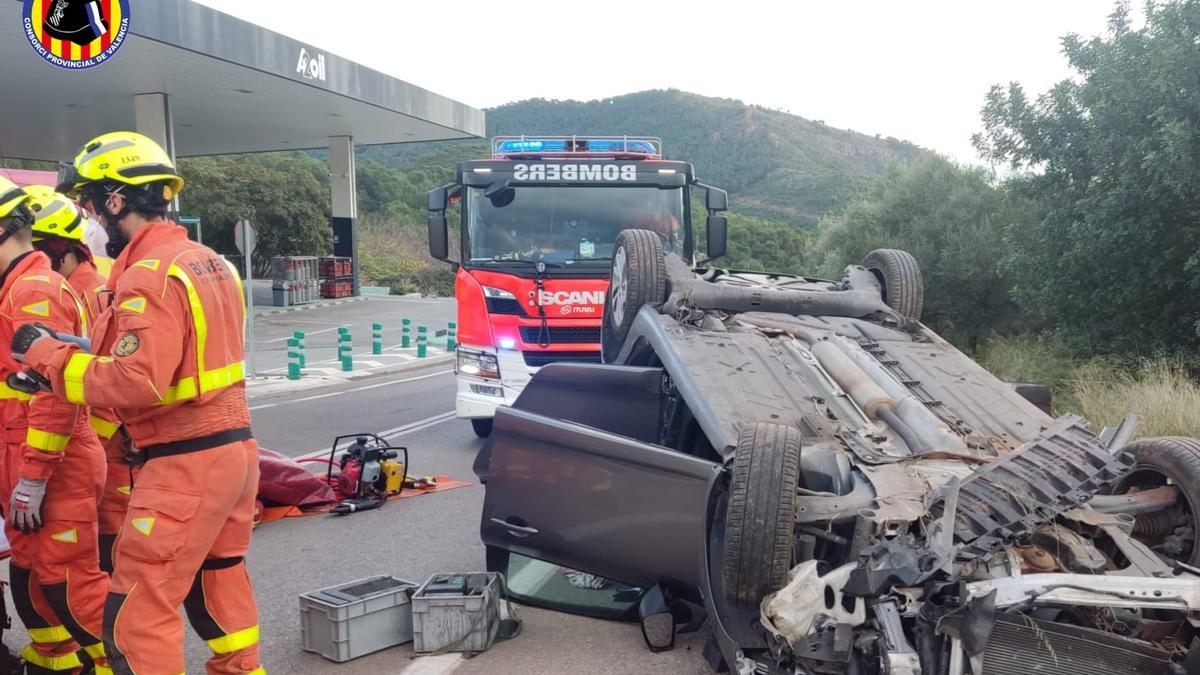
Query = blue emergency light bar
x=507 y=146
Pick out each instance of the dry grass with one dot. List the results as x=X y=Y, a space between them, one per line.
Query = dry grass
x=1161 y=391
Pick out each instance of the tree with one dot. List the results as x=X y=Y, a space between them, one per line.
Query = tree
x=952 y=219
x=1112 y=159
x=284 y=195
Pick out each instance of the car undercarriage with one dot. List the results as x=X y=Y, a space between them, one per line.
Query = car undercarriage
x=840 y=489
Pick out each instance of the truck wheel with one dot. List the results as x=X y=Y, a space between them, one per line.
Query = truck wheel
x=482 y=427
x=761 y=516
x=1167 y=460
x=639 y=277
x=900 y=276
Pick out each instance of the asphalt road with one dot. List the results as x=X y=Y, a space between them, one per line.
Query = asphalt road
x=410 y=539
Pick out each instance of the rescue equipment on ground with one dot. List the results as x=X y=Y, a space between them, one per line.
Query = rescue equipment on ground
x=368 y=472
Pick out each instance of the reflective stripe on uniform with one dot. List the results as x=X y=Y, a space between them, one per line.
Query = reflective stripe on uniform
x=8 y=393
x=77 y=365
x=234 y=641
x=95 y=651
x=208 y=380
x=103 y=428
x=258 y=671
x=46 y=441
x=213 y=379
x=65 y=662
x=51 y=634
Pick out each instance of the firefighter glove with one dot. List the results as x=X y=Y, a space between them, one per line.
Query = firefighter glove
x=25 y=507
x=26 y=336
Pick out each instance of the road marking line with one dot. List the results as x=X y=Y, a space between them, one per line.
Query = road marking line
x=351 y=391
x=395 y=432
x=306 y=335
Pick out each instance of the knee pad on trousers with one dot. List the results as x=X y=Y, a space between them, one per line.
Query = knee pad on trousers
x=195 y=605
x=19 y=579
x=56 y=595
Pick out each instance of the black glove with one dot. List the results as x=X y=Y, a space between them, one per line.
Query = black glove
x=25 y=337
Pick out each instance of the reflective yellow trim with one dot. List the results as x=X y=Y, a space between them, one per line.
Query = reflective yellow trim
x=69 y=537
x=103 y=670
x=36 y=277
x=198 y=318
x=103 y=428
x=135 y=305
x=143 y=525
x=7 y=393
x=235 y=641
x=125 y=489
x=213 y=379
x=77 y=365
x=65 y=662
x=46 y=441
x=258 y=671
x=41 y=309
x=148 y=264
x=51 y=634
x=95 y=651
x=238 y=278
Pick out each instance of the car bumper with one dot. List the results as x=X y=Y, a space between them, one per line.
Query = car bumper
x=478 y=398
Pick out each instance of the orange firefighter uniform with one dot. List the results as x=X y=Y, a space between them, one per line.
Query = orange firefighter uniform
x=92 y=290
x=58 y=587
x=174 y=374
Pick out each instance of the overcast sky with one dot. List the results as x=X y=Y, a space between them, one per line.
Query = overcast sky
x=917 y=70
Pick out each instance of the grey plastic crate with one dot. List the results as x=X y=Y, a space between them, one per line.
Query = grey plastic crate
x=456 y=623
x=348 y=621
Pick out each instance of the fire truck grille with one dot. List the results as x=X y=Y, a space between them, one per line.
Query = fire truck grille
x=539 y=359
x=558 y=336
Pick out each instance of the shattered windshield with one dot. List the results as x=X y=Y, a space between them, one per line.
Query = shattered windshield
x=568 y=226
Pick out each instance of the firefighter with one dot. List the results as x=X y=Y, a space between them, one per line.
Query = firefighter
x=53 y=469
x=58 y=231
x=170 y=362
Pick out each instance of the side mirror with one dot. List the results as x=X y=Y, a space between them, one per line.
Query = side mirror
x=439 y=238
x=658 y=622
x=437 y=199
x=717 y=231
x=717 y=200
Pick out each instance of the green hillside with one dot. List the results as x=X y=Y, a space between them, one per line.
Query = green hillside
x=775 y=165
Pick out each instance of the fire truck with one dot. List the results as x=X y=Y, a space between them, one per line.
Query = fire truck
x=538 y=223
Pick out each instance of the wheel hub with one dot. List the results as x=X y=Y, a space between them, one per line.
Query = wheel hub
x=620 y=285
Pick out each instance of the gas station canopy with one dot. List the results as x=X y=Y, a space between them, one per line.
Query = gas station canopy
x=232 y=87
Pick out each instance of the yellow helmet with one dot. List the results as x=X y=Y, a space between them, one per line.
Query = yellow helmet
x=55 y=215
x=123 y=157
x=11 y=197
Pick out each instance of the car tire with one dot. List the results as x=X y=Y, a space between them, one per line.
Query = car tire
x=482 y=427
x=639 y=277
x=900 y=276
x=760 y=518
x=1158 y=460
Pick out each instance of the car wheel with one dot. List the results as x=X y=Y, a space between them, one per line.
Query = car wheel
x=900 y=276
x=760 y=518
x=1167 y=460
x=639 y=277
x=482 y=427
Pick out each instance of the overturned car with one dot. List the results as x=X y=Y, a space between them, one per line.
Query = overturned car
x=838 y=489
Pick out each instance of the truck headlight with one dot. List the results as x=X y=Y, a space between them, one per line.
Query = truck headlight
x=478 y=364
x=497 y=293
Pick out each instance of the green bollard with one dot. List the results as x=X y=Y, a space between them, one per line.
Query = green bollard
x=377 y=338
x=406 y=340
x=299 y=335
x=422 y=348
x=345 y=347
x=451 y=336
x=293 y=366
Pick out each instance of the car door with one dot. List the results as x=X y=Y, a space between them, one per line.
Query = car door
x=590 y=499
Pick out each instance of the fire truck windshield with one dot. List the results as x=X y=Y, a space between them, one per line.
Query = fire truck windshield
x=567 y=226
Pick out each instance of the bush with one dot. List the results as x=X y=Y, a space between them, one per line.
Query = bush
x=1161 y=391
x=1040 y=359
x=397 y=256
